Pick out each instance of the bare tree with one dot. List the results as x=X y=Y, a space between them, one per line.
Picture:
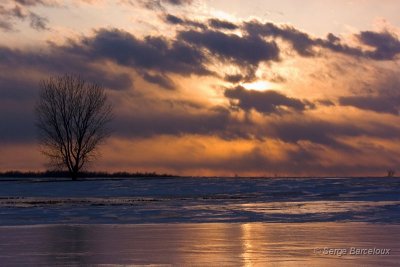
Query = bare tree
x=72 y=118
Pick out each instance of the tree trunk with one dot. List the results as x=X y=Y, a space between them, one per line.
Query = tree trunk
x=74 y=175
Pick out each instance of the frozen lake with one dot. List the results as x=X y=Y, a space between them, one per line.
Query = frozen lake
x=200 y=222
x=156 y=200
x=199 y=244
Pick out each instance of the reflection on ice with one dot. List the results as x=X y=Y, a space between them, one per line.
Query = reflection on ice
x=204 y=244
x=313 y=207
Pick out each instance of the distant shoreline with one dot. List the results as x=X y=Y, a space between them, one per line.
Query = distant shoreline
x=86 y=175
x=62 y=174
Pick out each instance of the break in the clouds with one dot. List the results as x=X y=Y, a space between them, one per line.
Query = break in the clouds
x=200 y=90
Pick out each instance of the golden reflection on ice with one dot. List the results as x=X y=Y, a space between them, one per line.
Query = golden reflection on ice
x=197 y=244
x=247 y=244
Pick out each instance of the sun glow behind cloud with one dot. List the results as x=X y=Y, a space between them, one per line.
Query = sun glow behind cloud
x=260 y=86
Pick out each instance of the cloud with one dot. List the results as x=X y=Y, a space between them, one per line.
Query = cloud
x=300 y=41
x=325 y=102
x=38 y=22
x=171 y=19
x=234 y=78
x=222 y=24
x=150 y=53
x=267 y=102
x=231 y=47
x=159 y=4
x=172 y=118
x=17 y=124
x=160 y=80
x=380 y=103
x=386 y=45
x=5 y=25
x=54 y=61
x=37 y=2
x=313 y=130
x=21 y=11
x=178 y=2
x=20 y=74
x=322 y=131
x=379 y=93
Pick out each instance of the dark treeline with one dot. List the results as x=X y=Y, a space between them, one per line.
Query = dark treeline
x=65 y=174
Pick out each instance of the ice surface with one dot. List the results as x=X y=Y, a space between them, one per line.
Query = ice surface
x=160 y=200
x=198 y=244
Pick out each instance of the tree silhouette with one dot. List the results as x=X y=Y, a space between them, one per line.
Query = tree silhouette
x=72 y=119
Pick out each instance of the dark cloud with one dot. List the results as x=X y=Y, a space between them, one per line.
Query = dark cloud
x=56 y=61
x=157 y=117
x=160 y=80
x=230 y=47
x=178 y=2
x=267 y=102
x=34 y=2
x=17 y=97
x=380 y=103
x=325 y=102
x=38 y=22
x=173 y=119
x=247 y=74
x=334 y=44
x=17 y=124
x=332 y=38
x=20 y=74
x=16 y=88
x=159 y=4
x=151 y=53
x=328 y=133
x=171 y=19
x=316 y=131
x=234 y=78
x=300 y=41
x=386 y=45
x=222 y=24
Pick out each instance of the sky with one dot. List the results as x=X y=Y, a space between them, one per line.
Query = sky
x=203 y=87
